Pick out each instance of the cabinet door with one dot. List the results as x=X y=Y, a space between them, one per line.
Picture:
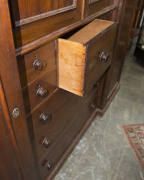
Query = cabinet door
x=93 y=6
x=33 y=19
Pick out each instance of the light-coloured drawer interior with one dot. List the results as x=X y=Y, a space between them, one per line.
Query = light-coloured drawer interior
x=74 y=55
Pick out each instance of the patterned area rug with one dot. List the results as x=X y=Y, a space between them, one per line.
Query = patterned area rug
x=135 y=135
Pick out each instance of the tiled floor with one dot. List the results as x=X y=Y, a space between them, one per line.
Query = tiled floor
x=104 y=153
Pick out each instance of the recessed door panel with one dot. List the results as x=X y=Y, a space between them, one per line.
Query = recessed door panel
x=34 y=19
x=93 y=6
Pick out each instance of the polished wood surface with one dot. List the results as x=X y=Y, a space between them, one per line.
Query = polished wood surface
x=13 y=94
x=49 y=37
x=34 y=19
x=40 y=122
x=66 y=131
x=95 y=65
x=40 y=89
x=92 y=6
x=10 y=165
x=116 y=15
x=26 y=9
x=36 y=63
x=126 y=19
x=85 y=55
x=64 y=124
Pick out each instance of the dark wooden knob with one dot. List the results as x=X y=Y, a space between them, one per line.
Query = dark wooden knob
x=41 y=92
x=47 y=165
x=104 y=57
x=38 y=65
x=46 y=142
x=45 y=118
x=96 y=86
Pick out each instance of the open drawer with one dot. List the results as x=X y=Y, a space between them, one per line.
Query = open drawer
x=85 y=56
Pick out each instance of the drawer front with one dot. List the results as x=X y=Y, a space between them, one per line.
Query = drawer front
x=99 y=56
x=34 y=19
x=55 y=116
x=82 y=111
x=93 y=6
x=85 y=56
x=59 y=108
x=40 y=89
x=37 y=62
x=65 y=125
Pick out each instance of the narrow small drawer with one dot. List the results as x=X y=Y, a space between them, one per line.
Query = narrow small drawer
x=85 y=56
x=40 y=89
x=36 y=63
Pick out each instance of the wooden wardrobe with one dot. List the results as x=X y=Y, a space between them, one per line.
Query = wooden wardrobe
x=60 y=66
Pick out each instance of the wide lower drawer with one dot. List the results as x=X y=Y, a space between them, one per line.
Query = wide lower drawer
x=57 y=122
x=52 y=119
x=40 y=89
x=85 y=56
x=65 y=125
x=36 y=63
x=64 y=116
x=63 y=143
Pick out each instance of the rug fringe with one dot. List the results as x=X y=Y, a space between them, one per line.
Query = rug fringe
x=131 y=145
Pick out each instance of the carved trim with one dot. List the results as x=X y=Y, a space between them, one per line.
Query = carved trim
x=92 y=1
x=45 y=15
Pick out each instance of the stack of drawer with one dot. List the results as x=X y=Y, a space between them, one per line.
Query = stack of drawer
x=56 y=116
x=69 y=113
x=38 y=75
x=53 y=120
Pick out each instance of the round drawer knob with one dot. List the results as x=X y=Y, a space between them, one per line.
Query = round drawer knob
x=47 y=165
x=41 y=92
x=45 y=118
x=46 y=142
x=104 y=57
x=38 y=65
x=96 y=86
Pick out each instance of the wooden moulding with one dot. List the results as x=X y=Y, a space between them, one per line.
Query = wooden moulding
x=44 y=15
x=49 y=37
x=72 y=56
